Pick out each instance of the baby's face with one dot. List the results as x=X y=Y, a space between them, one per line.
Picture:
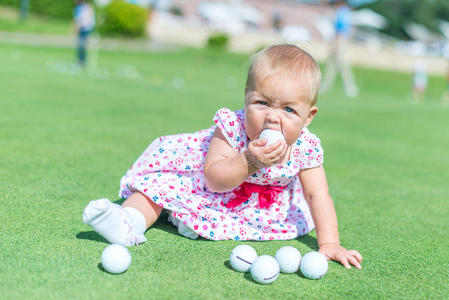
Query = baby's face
x=280 y=103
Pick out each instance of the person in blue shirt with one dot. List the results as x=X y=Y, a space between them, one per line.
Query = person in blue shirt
x=342 y=20
x=84 y=19
x=336 y=61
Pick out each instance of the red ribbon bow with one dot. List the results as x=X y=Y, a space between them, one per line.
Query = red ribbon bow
x=266 y=194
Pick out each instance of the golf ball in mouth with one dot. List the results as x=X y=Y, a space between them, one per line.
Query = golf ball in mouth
x=242 y=257
x=265 y=269
x=272 y=136
x=115 y=259
x=313 y=265
x=288 y=258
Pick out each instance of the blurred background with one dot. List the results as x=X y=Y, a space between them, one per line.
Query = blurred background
x=386 y=34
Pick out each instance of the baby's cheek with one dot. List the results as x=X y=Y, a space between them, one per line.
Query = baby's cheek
x=291 y=137
x=251 y=132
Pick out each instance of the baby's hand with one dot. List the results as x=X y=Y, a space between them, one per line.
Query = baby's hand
x=342 y=255
x=261 y=155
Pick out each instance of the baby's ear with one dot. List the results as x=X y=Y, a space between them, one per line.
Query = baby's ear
x=312 y=112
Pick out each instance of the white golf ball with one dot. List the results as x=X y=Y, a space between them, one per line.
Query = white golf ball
x=265 y=269
x=242 y=257
x=272 y=136
x=314 y=265
x=288 y=258
x=115 y=258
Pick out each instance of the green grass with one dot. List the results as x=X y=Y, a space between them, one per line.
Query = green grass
x=9 y=21
x=66 y=139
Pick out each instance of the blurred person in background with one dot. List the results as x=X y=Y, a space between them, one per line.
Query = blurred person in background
x=420 y=79
x=336 y=61
x=276 y=20
x=445 y=97
x=84 y=20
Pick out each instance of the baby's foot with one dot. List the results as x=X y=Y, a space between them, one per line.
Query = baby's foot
x=113 y=222
x=183 y=229
x=186 y=231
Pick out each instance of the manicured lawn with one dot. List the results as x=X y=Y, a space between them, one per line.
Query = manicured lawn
x=66 y=139
x=9 y=21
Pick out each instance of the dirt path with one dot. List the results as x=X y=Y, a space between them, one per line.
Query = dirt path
x=168 y=37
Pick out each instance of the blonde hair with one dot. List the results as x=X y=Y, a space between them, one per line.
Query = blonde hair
x=291 y=61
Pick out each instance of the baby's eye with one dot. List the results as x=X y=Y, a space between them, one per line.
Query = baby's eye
x=289 y=109
x=261 y=102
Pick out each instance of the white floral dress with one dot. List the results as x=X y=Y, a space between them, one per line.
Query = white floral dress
x=170 y=172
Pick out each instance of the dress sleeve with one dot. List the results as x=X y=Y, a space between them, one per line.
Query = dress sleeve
x=231 y=124
x=310 y=150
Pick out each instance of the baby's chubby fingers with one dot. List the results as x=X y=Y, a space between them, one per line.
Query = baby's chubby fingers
x=275 y=149
x=353 y=261
x=278 y=153
x=356 y=254
x=341 y=258
x=259 y=142
x=284 y=150
x=271 y=147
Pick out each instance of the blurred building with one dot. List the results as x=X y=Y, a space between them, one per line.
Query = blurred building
x=295 y=16
x=253 y=24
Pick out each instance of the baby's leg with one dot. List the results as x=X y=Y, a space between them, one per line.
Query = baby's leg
x=150 y=210
x=124 y=224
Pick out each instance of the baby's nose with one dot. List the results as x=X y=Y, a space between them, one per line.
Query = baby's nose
x=273 y=116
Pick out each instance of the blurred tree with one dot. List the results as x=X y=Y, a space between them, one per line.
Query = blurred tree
x=61 y=9
x=399 y=13
x=443 y=10
x=121 y=18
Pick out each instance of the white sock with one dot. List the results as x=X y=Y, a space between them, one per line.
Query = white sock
x=118 y=225
x=140 y=225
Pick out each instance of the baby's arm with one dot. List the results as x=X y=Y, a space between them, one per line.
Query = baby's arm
x=316 y=192
x=225 y=168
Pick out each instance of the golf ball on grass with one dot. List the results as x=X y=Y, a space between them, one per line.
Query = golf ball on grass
x=288 y=258
x=242 y=257
x=314 y=265
x=272 y=136
x=115 y=259
x=265 y=269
